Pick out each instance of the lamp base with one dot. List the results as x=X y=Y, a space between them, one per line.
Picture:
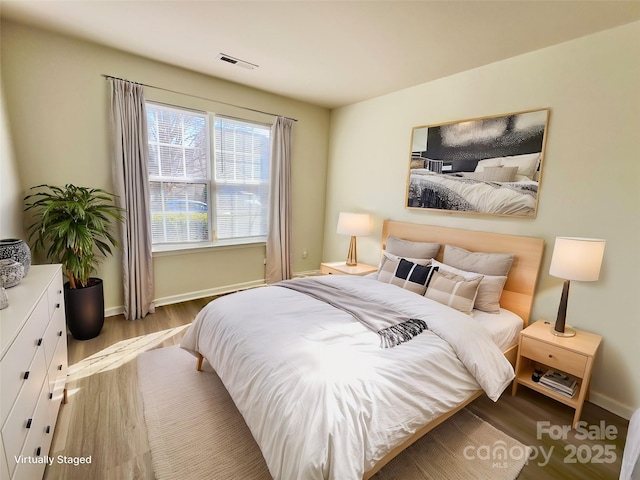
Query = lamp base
x=568 y=332
x=352 y=256
x=559 y=329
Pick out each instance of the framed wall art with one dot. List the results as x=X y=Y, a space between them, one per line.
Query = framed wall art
x=490 y=165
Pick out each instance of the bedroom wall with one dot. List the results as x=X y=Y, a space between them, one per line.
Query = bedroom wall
x=10 y=192
x=57 y=103
x=590 y=185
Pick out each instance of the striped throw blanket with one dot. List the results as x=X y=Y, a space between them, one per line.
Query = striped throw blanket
x=393 y=327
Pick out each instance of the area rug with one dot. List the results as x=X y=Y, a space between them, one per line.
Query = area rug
x=196 y=432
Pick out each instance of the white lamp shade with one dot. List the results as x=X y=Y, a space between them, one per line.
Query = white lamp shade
x=354 y=224
x=577 y=258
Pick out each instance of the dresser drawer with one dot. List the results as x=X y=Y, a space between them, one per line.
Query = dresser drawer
x=4 y=467
x=15 y=363
x=54 y=409
x=55 y=296
x=55 y=332
x=22 y=416
x=37 y=443
x=58 y=369
x=40 y=434
x=569 y=362
x=29 y=471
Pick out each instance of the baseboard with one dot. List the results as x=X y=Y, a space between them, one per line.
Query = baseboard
x=611 y=405
x=113 y=311
x=186 y=297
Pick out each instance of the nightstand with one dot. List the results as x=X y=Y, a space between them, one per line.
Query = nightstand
x=571 y=355
x=341 y=268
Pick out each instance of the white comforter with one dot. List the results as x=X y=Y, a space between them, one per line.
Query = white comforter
x=321 y=398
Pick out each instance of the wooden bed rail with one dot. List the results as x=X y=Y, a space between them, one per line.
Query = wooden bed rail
x=199 y=364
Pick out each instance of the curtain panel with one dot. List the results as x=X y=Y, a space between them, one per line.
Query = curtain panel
x=131 y=184
x=279 y=234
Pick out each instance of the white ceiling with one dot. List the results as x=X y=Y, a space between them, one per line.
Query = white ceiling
x=329 y=53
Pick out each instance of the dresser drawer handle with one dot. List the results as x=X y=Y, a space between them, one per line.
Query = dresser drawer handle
x=50 y=396
x=29 y=423
x=550 y=356
x=60 y=333
x=38 y=450
x=26 y=375
x=59 y=292
x=60 y=367
x=57 y=305
x=39 y=342
x=48 y=430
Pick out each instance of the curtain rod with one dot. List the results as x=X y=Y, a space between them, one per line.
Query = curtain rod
x=201 y=98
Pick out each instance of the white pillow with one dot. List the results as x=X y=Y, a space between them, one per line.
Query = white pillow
x=527 y=164
x=522 y=178
x=488 y=162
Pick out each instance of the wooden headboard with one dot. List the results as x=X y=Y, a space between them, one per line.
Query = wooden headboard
x=517 y=295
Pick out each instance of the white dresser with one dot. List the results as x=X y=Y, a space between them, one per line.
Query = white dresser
x=33 y=371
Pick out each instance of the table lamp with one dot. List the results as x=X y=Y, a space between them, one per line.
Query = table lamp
x=354 y=224
x=574 y=259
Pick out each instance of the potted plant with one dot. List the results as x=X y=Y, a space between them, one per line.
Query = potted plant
x=74 y=224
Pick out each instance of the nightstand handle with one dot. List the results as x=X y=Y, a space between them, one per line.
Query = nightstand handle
x=550 y=356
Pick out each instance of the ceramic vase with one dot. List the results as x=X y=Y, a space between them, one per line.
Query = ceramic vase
x=17 y=250
x=4 y=300
x=11 y=272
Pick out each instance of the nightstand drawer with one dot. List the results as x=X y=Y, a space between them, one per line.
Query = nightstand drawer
x=555 y=357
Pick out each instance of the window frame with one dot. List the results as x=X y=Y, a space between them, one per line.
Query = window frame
x=215 y=184
x=168 y=248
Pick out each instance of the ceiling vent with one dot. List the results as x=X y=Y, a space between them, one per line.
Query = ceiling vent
x=236 y=61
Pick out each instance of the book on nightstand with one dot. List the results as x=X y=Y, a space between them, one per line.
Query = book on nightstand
x=560 y=383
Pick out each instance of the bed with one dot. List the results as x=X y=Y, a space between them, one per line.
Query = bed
x=496 y=185
x=468 y=194
x=319 y=394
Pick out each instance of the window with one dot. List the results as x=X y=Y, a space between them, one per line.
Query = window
x=242 y=153
x=208 y=177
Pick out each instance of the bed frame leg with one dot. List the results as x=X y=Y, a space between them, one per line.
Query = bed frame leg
x=199 y=364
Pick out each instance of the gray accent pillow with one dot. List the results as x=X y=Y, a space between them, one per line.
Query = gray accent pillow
x=478 y=262
x=409 y=249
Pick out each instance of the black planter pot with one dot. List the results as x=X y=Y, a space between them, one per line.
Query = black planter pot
x=85 y=309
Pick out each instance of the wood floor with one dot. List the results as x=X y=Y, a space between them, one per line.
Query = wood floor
x=103 y=417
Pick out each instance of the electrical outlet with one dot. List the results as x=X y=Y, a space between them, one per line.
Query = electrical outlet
x=305 y=254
